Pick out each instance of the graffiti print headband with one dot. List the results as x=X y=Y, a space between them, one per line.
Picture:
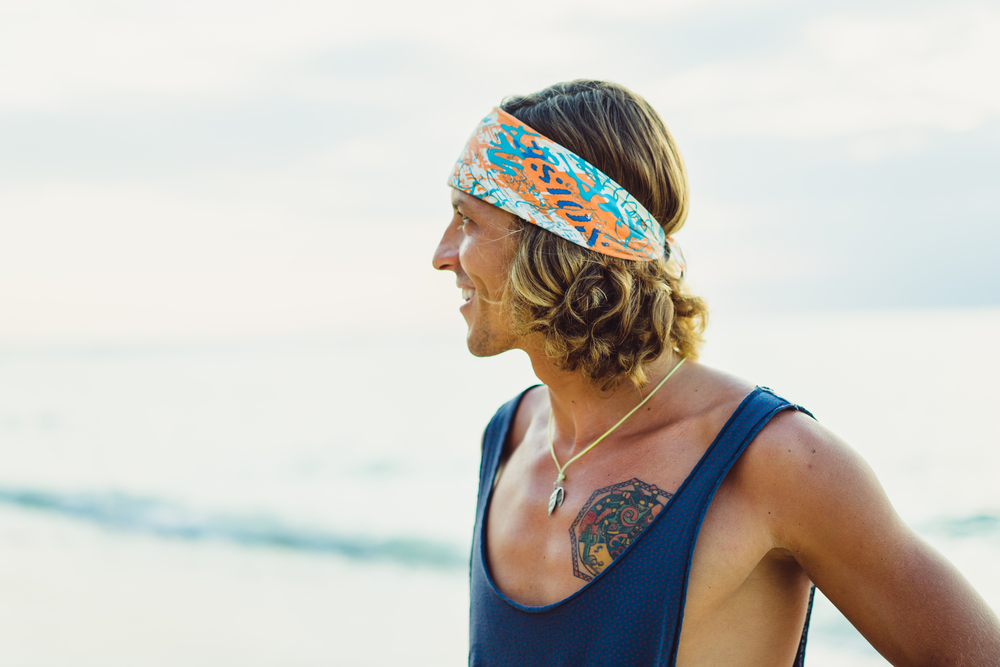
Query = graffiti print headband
x=513 y=167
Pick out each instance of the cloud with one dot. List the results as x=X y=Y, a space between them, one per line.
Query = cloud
x=851 y=76
x=56 y=54
x=207 y=168
x=728 y=244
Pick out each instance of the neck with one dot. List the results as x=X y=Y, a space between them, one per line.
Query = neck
x=582 y=412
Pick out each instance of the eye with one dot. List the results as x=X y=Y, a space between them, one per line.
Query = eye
x=465 y=221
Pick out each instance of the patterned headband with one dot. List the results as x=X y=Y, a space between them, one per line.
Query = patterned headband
x=513 y=167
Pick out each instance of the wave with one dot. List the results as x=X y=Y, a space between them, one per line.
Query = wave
x=142 y=515
x=974 y=525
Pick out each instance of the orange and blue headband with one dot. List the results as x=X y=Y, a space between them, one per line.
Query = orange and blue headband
x=513 y=167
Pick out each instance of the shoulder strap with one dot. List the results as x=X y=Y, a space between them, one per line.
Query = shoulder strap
x=746 y=422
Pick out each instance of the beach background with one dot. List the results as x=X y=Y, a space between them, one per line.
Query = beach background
x=238 y=424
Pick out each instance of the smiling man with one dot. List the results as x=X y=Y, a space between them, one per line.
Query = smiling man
x=638 y=508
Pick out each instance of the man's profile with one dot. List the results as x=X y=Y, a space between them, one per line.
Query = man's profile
x=638 y=508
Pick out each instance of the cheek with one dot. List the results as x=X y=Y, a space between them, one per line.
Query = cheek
x=473 y=258
x=465 y=248
x=485 y=262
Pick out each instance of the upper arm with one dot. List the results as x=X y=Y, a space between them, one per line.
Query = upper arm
x=826 y=507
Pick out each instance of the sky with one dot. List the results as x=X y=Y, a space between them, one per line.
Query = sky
x=174 y=171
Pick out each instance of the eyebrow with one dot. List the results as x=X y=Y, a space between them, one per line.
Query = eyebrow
x=466 y=205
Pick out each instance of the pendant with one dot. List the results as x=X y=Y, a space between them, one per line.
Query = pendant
x=556 y=499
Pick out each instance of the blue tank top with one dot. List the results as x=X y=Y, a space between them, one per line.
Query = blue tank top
x=638 y=608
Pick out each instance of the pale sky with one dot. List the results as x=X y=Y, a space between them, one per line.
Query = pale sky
x=204 y=170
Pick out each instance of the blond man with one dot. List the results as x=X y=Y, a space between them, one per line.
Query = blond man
x=637 y=507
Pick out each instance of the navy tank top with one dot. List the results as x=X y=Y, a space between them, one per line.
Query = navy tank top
x=638 y=609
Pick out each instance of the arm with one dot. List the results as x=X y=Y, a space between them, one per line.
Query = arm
x=829 y=511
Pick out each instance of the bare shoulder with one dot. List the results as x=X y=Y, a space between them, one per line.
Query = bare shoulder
x=794 y=472
x=806 y=486
x=710 y=398
x=717 y=385
x=801 y=473
x=795 y=448
x=822 y=504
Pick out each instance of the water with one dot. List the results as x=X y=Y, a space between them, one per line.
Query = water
x=311 y=502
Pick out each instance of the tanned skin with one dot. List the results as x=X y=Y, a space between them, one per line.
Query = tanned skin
x=799 y=506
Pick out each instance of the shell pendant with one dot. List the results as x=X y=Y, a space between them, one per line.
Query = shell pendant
x=558 y=494
x=556 y=499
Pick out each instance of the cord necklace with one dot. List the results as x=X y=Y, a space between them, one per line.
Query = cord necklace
x=559 y=493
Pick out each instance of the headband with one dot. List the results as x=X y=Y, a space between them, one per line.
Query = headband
x=513 y=167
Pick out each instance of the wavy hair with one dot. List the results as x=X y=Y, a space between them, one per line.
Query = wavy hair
x=600 y=315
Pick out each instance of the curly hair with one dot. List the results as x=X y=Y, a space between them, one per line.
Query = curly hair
x=603 y=316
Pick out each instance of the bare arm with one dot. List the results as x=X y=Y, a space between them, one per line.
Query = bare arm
x=829 y=511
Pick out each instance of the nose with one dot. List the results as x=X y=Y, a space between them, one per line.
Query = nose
x=446 y=254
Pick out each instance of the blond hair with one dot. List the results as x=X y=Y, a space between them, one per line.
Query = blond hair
x=603 y=316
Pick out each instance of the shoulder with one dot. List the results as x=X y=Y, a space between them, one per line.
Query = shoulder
x=800 y=482
x=706 y=399
x=795 y=450
x=822 y=504
x=811 y=486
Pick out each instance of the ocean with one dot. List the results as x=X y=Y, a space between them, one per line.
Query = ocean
x=310 y=502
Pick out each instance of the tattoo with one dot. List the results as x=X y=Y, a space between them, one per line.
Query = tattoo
x=610 y=521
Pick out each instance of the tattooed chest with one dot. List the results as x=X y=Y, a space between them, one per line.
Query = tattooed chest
x=611 y=519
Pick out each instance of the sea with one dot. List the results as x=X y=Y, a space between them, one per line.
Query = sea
x=310 y=501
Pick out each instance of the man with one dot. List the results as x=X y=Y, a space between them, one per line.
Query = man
x=639 y=508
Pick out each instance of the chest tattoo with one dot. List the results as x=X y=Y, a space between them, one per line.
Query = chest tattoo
x=609 y=521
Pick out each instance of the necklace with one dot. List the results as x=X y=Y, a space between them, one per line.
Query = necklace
x=559 y=493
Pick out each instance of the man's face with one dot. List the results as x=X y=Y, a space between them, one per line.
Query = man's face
x=477 y=246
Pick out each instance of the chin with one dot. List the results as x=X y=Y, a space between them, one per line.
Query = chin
x=486 y=343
